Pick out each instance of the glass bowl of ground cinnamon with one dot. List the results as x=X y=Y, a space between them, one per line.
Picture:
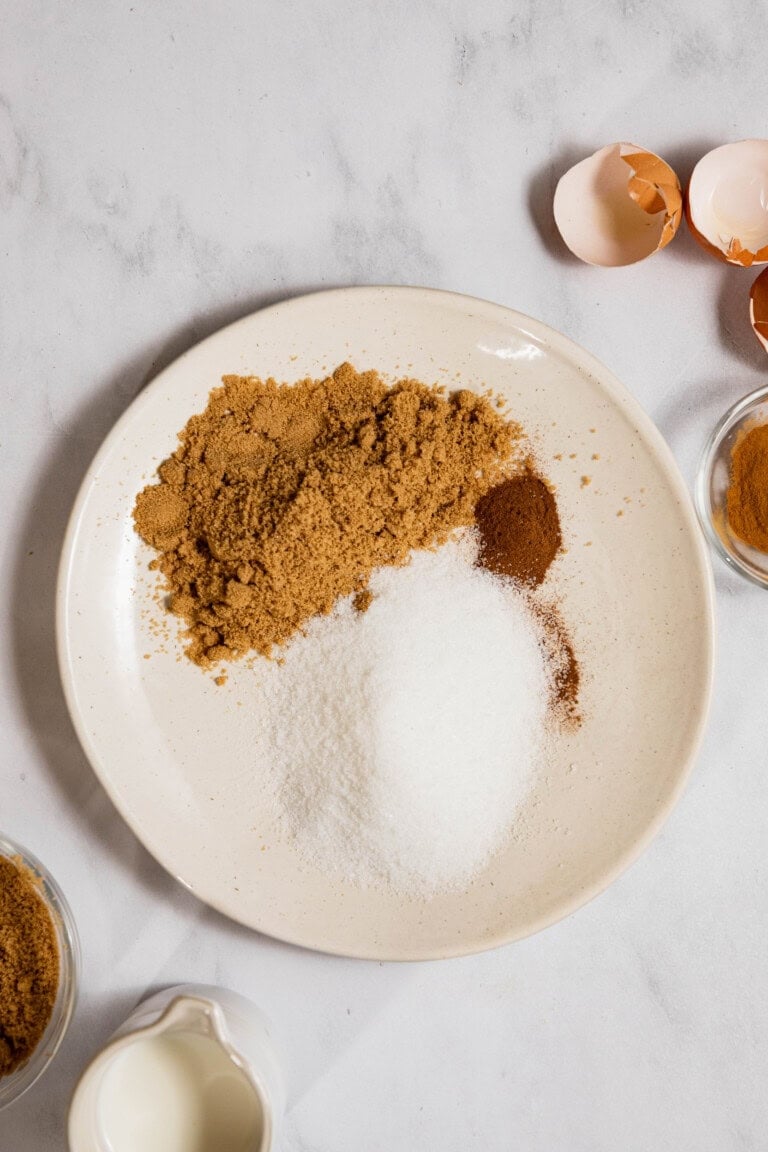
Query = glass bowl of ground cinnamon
x=732 y=487
x=39 y=965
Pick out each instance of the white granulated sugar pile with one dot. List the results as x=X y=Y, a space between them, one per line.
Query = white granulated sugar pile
x=404 y=740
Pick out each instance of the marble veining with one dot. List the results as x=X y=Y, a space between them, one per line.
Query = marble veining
x=166 y=168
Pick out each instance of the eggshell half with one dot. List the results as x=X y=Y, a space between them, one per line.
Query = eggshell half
x=727 y=202
x=758 y=308
x=618 y=206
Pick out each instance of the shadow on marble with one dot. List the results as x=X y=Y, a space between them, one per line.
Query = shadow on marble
x=319 y=1004
x=685 y=250
x=686 y=421
x=33 y=588
x=39 y=1118
x=737 y=335
x=311 y=1039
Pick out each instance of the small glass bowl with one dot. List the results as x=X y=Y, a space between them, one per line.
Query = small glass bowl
x=712 y=487
x=15 y=1084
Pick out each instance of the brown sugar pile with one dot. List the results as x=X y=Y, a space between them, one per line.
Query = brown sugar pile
x=282 y=498
x=29 y=965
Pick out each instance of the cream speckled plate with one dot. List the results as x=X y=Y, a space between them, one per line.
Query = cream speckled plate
x=178 y=755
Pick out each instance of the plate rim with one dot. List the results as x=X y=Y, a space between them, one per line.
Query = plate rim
x=594 y=368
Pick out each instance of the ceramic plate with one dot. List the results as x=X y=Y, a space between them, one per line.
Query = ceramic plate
x=179 y=755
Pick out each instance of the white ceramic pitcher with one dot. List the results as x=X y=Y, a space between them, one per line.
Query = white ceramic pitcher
x=228 y=1019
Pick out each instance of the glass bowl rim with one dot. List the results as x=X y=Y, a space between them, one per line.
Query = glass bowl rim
x=703 y=473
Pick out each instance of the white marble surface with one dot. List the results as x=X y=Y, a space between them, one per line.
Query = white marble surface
x=166 y=167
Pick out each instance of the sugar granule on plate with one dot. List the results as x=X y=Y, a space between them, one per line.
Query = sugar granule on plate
x=403 y=741
x=281 y=498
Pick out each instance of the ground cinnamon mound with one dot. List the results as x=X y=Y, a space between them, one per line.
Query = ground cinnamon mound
x=282 y=498
x=519 y=528
x=747 y=497
x=29 y=965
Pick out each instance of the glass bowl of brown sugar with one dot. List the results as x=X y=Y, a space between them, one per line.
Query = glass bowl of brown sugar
x=731 y=492
x=39 y=967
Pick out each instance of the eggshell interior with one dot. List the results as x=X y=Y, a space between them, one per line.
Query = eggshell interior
x=609 y=208
x=728 y=202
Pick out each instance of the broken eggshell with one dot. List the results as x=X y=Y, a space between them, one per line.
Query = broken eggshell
x=618 y=206
x=727 y=203
x=758 y=308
